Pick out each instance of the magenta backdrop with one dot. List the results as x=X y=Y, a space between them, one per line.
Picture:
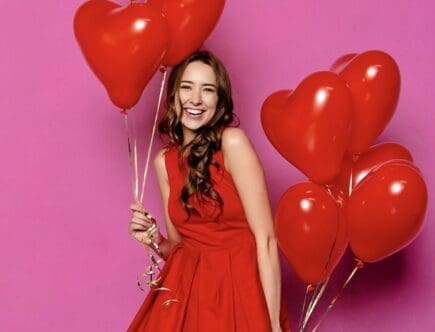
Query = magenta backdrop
x=67 y=262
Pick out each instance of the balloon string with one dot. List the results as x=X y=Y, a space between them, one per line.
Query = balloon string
x=313 y=296
x=128 y=137
x=359 y=265
x=309 y=289
x=319 y=290
x=314 y=301
x=136 y=179
x=162 y=87
x=133 y=162
x=132 y=156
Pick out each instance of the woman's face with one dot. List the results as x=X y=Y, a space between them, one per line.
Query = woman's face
x=197 y=95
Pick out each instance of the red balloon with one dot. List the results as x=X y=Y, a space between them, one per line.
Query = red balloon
x=355 y=168
x=311 y=231
x=374 y=81
x=342 y=62
x=386 y=210
x=190 y=22
x=310 y=127
x=122 y=45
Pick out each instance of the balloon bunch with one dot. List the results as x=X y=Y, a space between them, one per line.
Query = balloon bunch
x=372 y=197
x=125 y=45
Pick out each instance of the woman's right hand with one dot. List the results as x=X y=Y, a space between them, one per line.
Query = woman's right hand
x=142 y=225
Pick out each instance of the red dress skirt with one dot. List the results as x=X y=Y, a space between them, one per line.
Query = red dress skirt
x=212 y=274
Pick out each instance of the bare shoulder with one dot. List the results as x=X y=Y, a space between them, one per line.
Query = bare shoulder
x=233 y=139
x=237 y=149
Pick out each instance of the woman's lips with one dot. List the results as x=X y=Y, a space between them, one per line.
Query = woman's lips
x=193 y=113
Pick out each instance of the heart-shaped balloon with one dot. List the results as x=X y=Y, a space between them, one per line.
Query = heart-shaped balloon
x=190 y=22
x=311 y=231
x=122 y=45
x=355 y=168
x=374 y=81
x=311 y=126
x=342 y=62
x=386 y=210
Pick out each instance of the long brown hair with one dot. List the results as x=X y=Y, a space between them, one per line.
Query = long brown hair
x=208 y=137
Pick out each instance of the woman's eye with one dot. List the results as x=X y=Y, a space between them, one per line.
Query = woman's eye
x=209 y=89
x=185 y=87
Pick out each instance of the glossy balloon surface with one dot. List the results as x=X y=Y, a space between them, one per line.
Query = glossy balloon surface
x=373 y=78
x=123 y=46
x=386 y=210
x=311 y=126
x=190 y=22
x=356 y=168
x=311 y=231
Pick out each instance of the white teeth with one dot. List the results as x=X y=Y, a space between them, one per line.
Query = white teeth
x=193 y=111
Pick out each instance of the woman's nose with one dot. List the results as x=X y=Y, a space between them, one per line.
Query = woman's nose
x=196 y=97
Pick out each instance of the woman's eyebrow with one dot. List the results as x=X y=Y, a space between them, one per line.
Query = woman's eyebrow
x=204 y=84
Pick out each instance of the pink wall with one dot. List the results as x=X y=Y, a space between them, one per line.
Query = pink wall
x=67 y=262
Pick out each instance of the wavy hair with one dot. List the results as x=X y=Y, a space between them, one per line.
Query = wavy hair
x=207 y=139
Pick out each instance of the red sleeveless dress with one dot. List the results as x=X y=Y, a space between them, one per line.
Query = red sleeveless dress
x=212 y=274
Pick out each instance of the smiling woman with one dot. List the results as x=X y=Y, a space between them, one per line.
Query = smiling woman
x=198 y=97
x=222 y=269
x=199 y=107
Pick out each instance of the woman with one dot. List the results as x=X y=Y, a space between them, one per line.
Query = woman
x=222 y=269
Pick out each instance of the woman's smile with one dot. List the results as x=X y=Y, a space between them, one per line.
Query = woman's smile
x=198 y=98
x=193 y=113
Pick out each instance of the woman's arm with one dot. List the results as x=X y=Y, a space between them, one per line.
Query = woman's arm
x=162 y=178
x=247 y=173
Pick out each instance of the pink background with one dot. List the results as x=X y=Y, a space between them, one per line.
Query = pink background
x=67 y=262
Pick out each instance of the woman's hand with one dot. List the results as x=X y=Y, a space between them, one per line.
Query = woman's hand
x=143 y=226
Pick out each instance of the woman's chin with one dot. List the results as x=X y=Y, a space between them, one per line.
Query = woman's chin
x=192 y=125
